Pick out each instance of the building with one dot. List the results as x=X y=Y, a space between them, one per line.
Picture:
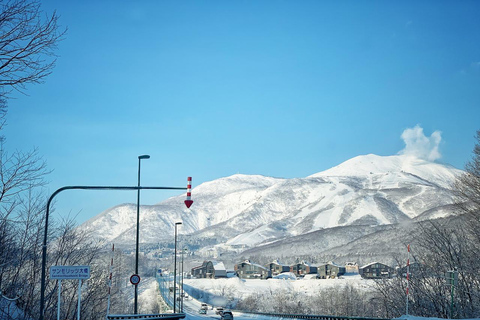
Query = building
x=376 y=270
x=249 y=270
x=276 y=268
x=203 y=271
x=210 y=269
x=330 y=270
x=351 y=267
x=415 y=269
x=302 y=268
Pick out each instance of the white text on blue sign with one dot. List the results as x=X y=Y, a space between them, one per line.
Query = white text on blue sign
x=69 y=272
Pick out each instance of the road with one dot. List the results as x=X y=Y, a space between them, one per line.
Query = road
x=191 y=307
x=193 y=315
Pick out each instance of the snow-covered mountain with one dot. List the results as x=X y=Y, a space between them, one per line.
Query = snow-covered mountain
x=243 y=211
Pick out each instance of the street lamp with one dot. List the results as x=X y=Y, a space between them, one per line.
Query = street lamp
x=175 y=271
x=145 y=156
x=182 y=294
x=43 y=277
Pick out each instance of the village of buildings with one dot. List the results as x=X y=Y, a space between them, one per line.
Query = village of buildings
x=248 y=270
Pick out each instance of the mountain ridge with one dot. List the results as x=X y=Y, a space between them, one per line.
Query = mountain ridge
x=245 y=211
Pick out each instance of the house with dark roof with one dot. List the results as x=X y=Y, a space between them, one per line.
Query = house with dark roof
x=276 y=267
x=376 y=270
x=330 y=270
x=303 y=268
x=250 y=270
x=414 y=269
x=210 y=269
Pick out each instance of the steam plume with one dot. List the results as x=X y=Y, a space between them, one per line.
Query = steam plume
x=421 y=146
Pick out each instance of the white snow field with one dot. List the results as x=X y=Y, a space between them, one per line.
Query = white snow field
x=245 y=287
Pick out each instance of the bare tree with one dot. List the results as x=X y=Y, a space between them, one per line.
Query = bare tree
x=19 y=172
x=444 y=245
x=21 y=259
x=28 y=39
x=468 y=191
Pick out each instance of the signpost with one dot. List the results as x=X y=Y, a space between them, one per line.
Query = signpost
x=69 y=273
x=452 y=279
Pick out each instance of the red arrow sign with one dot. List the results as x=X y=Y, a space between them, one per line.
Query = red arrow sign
x=188 y=203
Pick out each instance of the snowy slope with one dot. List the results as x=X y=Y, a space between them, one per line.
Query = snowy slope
x=247 y=210
x=371 y=164
x=215 y=202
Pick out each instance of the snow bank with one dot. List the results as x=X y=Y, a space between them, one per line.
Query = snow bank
x=235 y=288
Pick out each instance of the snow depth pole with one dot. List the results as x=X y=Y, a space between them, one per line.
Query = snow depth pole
x=408 y=275
x=189 y=200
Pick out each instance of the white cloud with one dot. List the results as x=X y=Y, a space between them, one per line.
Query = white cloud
x=421 y=146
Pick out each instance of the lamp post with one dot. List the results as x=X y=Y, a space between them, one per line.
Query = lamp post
x=182 y=294
x=145 y=156
x=43 y=277
x=175 y=271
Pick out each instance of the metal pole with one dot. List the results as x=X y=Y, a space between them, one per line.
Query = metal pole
x=138 y=231
x=79 y=297
x=175 y=273
x=110 y=280
x=451 y=300
x=408 y=277
x=59 y=299
x=45 y=235
x=181 y=287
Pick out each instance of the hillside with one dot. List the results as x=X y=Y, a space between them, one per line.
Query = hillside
x=338 y=205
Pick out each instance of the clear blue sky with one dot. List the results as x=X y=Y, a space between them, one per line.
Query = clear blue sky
x=214 y=88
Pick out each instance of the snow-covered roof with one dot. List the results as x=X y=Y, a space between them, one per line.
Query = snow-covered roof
x=218 y=265
x=331 y=263
x=254 y=264
x=276 y=261
x=369 y=264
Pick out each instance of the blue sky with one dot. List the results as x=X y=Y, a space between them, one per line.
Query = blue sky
x=213 y=88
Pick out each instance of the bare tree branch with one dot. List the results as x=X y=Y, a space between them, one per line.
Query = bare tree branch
x=28 y=39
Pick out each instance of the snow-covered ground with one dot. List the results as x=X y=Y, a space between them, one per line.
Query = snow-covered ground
x=241 y=288
x=148 y=295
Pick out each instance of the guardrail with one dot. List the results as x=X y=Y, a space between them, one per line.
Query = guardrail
x=311 y=316
x=163 y=316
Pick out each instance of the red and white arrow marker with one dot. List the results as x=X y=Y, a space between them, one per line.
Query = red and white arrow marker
x=189 y=200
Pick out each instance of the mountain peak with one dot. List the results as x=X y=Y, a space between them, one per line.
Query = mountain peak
x=372 y=164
